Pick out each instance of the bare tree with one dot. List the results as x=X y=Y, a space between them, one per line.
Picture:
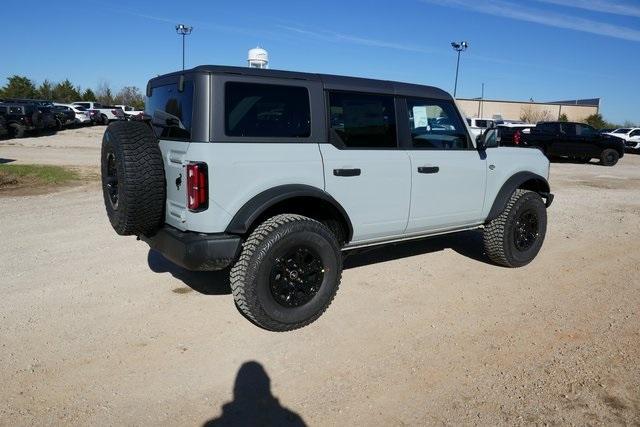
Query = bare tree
x=130 y=95
x=104 y=95
x=530 y=114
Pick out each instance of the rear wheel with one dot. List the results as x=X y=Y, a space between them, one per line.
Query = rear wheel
x=514 y=238
x=104 y=119
x=16 y=130
x=609 y=157
x=288 y=272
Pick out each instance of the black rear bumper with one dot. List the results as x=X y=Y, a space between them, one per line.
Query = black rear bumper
x=196 y=251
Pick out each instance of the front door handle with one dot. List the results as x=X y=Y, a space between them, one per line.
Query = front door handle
x=428 y=169
x=347 y=172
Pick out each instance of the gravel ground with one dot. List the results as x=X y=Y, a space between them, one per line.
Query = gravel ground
x=96 y=329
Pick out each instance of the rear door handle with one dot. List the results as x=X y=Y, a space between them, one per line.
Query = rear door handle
x=347 y=172
x=428 y=169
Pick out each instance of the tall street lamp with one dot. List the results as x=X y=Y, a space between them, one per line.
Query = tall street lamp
x=458 y=47
x=183 y=30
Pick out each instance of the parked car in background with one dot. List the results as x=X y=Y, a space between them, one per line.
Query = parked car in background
x=81 y=116
x=576 y=141
x=65 y=116
x=4 y=130
x=130 y=112
x=19 y=118
x=631 y=137
x=46 y=119
x=106 y=113
x=478 y=125
x=510 y=134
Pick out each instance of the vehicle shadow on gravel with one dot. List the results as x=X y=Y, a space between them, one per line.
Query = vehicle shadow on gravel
x=204 y=282
x=467 y=243
x=253 y=404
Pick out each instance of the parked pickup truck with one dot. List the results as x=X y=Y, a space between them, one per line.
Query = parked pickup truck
x=130 y=111
x=107 y=113
x=576 y=141
x=631 y=136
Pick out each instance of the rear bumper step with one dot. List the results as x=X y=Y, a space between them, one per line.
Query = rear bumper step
x=195 y=251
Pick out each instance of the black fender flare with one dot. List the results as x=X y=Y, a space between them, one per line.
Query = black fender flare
x=257 y=205
x=526 y=180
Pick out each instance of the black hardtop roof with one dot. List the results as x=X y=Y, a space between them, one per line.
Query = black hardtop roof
x=329 y=81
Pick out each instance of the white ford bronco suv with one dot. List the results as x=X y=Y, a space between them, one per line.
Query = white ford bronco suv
x=277 y=174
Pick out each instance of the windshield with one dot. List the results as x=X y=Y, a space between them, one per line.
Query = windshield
x=622 y=131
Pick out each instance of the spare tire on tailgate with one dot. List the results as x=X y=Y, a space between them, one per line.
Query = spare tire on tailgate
x=133 y=181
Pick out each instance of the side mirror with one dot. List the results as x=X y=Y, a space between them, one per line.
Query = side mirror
x=489 y=139
x=480 y=142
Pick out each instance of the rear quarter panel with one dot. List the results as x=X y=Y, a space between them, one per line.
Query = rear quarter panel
x=237 y=173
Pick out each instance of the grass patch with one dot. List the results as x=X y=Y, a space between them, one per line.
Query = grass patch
x=13 y=176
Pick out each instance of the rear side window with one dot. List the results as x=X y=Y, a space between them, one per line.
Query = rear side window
x=362 y=120
x=171 y=111
x=268 y=111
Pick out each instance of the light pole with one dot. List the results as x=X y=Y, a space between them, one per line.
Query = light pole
x=458 y=47
x=183 y=30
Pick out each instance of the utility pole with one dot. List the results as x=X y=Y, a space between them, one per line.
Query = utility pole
x=482 y=102
x=458 y=47
x=183 y=30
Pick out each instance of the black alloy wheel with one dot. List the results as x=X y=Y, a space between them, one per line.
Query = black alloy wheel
x=296 y=277
x=527 y=230
x=112 y=180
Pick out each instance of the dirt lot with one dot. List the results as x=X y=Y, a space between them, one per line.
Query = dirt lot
x=96 y=329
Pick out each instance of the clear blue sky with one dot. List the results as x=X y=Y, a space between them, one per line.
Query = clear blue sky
x=541 y=49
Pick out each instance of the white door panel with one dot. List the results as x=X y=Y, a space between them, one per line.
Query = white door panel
x=376 y=200
x=448 y=189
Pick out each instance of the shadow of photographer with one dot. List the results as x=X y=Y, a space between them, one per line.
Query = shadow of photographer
x=253 y=404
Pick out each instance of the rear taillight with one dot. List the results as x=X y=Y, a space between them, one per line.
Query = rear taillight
x=197 y=188
x=517 y=137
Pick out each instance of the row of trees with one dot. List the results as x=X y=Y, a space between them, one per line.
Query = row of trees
x=65 y=91
x=533 y=115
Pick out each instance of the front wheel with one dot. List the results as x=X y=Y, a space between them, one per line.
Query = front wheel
x=288 y=272
x=609 y=157
x=514 y=238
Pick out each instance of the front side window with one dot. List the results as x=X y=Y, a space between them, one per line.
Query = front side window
x=635 y=133
x=435 y=125
x=268 y=111
x=362 y=120
x=170 y=110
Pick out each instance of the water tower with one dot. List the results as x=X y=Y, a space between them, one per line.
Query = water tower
x=258 y=58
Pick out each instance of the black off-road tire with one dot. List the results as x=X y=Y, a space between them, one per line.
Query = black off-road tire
x=252 y=274
x=609 y=157
x=16 y=130
x=500 y=234
x=132 y=168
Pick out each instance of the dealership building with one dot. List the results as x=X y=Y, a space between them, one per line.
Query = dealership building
x=576 y=110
